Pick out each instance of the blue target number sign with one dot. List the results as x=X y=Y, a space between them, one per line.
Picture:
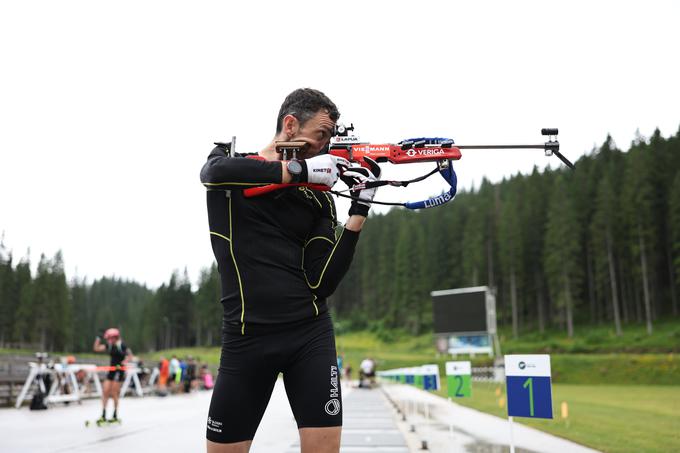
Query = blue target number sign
x=528 y=385
x=430 y=375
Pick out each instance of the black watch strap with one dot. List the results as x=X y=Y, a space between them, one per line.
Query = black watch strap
x=297 y=175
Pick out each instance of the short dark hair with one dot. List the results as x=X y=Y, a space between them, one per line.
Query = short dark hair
x=303 y=104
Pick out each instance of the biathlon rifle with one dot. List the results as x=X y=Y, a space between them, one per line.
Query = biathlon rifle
x=423 y=149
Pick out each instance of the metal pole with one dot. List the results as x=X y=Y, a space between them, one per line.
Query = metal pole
x=450 y=422
x=27 y=385
x=512 y=439
x=499 y=146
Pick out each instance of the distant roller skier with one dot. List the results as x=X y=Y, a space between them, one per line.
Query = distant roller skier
x=119 y=353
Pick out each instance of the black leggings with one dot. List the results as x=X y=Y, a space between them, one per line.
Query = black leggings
x=250 y=364
x=115 y=375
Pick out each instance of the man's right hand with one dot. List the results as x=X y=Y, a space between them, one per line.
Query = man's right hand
x=324 y=169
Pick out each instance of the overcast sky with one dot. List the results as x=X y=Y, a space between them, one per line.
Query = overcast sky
x=109 y=109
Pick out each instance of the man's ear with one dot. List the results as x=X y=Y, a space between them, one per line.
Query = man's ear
x=291 y=125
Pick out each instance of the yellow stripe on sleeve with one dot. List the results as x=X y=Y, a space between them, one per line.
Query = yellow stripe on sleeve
x=325 y=265
x=238 y=274
x=220 y=235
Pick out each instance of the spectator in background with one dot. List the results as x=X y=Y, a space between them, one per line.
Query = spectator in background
x=179 y=380
x=341 y=359
x=348 y=372
x=206 y=377
x=174 y=371
x=367 y=372
x=164 y=373
x=142 y=373
x=189 y=374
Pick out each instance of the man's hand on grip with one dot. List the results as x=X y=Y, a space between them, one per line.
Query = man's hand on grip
x=356 y=177
x=324 y=169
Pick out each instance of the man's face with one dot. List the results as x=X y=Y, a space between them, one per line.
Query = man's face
x=317 y=132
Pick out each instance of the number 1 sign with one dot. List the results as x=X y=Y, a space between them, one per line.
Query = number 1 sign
x=528 y=384
x=458 y=376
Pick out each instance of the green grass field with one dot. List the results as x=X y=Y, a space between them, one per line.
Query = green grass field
x=611 y=418
x=597 y=339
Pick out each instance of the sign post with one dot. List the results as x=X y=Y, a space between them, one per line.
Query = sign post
x=430 y=377
x=529 y=388
x=459 y=379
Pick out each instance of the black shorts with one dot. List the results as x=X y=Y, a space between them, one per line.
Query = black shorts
x=250 y=364
x=115 y=375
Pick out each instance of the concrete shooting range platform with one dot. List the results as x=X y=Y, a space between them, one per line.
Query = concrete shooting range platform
x=369 y=424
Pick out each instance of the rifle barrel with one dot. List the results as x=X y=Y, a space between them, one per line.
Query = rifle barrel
x=499 y=146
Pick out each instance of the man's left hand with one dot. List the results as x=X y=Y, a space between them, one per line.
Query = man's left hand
x=357 y=176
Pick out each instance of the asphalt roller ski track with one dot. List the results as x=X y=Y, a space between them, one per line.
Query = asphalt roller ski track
x=177 y=424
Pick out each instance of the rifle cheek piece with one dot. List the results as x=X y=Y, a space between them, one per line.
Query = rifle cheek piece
x=294 y=148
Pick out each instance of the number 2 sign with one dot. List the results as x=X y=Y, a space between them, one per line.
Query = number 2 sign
x=458 y=376
x=528 y=385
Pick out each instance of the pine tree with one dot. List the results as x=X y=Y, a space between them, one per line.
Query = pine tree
x=603 y=241
x=59 y=312
x=510 y=247
x=8 y=300
x=639 y=193
x=674 y=223
x=24 y=317
x=40 y=303
x=208 y=308
x=533 y=228
x=82 y=318
x=562 y=251
x=473 y=243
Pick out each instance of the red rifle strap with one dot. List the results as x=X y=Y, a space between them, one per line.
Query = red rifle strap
x=257 y=191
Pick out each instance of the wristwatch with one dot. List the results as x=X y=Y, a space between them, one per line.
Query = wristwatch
x=295 y=169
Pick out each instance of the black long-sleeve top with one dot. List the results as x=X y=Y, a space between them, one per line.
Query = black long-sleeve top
x=278 y=254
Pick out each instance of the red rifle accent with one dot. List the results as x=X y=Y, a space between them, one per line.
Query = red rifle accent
x=395 y=154
x=257 y=191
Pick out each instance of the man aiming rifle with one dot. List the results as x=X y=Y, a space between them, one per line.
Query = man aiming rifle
x=279 y=258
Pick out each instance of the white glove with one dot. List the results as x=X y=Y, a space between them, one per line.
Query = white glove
x=356 y=177
x=325 y=169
